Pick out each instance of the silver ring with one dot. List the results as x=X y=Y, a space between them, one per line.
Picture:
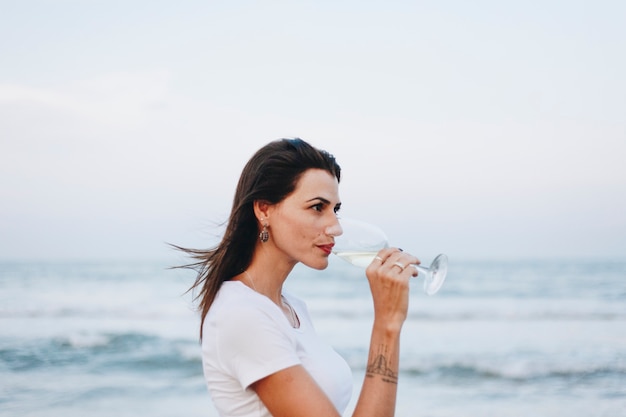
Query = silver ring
x=378 y=257
x=400 y=265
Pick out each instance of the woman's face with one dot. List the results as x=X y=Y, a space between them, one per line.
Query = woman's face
x=304 y=224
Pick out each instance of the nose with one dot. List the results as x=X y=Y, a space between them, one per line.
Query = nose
x=334 y=229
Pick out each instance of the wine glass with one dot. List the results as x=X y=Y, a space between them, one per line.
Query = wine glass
x=361 y=241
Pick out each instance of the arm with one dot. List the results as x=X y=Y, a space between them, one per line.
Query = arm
x=390 y=291
x=292 y=392
x=378 y=394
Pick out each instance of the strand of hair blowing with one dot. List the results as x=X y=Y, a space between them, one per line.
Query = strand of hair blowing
x=219 y=264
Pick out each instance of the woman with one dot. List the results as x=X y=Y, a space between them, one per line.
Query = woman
x=260 y=353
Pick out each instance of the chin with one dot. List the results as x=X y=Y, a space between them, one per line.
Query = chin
x=318 y=264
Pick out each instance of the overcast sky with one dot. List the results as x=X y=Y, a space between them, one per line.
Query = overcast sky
x=483 y=129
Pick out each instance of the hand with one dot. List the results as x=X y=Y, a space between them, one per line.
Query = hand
x=388 y=276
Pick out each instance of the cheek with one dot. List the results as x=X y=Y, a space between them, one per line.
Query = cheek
x=299 y=240
x=294 y=240
x=289 y=236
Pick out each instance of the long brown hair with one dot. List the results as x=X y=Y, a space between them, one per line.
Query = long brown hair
x=270 y=175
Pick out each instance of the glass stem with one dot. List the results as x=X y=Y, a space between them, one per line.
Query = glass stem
x=424 y=271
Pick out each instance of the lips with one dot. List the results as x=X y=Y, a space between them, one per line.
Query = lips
x=327 y=248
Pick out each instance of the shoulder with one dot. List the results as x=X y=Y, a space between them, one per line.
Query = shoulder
x=236 y=299
x=239 y=311
x=247 y=335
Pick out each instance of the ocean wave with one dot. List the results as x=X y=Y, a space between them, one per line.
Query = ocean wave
x=510 y=369
x=485 y=316
x=98 y=312
x=343 y=310
x=517 y=371
x=104 y=352
x=515 y=366
x=482 y=315
x=469 y=309
x=140 y=353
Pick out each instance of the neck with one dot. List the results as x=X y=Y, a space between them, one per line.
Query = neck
x=270 y=288
x=279 y=300
x=267 y=272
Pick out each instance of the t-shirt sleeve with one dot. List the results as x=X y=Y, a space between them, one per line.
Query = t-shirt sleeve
x=254 y=344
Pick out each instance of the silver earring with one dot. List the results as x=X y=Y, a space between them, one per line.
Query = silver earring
x=264 y=236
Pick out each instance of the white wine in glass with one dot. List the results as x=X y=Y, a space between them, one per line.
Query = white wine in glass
x=361 y=241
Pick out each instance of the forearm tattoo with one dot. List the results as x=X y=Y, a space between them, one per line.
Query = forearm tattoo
x=379 y=366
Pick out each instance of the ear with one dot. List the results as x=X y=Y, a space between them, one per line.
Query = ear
x=262 y=211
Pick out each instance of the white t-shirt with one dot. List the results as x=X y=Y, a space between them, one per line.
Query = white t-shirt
x=246 y=337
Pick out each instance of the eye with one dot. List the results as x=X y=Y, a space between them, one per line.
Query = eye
x=337 y=208
x=318 y=207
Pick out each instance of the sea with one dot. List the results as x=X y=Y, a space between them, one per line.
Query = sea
x=540 y=338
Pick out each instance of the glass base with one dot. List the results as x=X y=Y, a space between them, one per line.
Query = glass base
x=437 y=275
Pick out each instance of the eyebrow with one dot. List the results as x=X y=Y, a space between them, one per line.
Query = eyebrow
x=323 y=200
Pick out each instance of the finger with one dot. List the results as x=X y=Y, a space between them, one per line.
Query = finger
x=383 y=255
x=399 y=265
x=400 y=261
x=403 y=257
